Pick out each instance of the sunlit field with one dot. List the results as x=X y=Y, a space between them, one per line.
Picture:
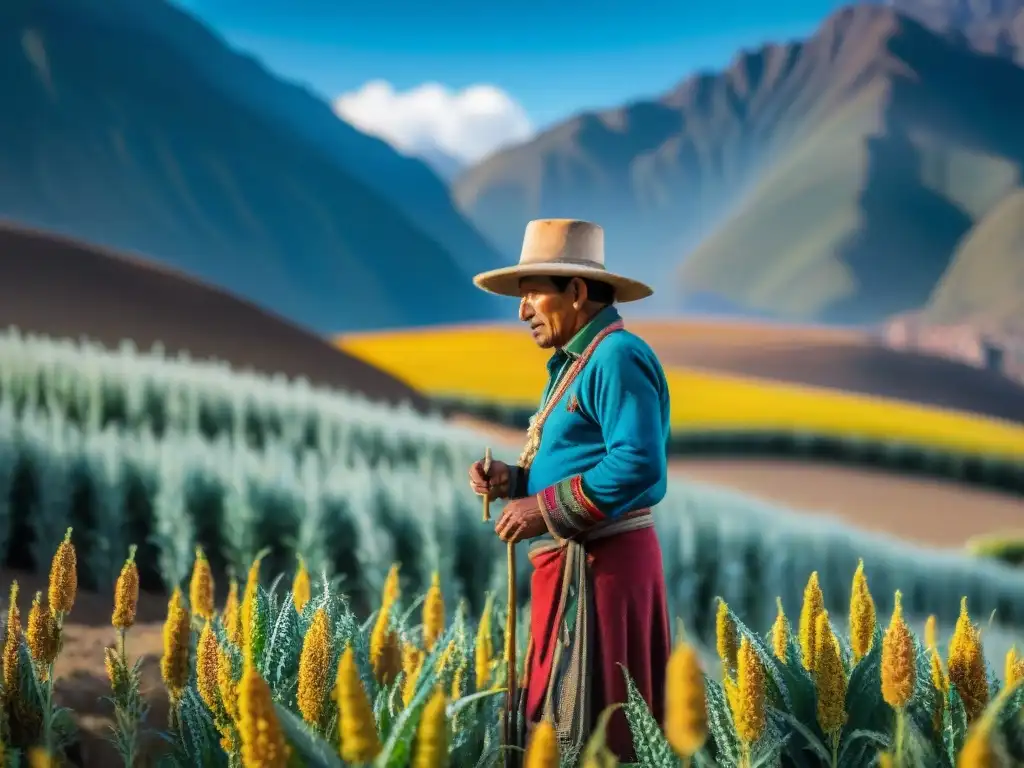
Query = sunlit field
x=463 y=363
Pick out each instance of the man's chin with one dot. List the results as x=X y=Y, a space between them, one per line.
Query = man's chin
x=540 y=338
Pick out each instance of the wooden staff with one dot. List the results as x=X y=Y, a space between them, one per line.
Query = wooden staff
x=510 y=626
x=511 y=710
x=487 y=474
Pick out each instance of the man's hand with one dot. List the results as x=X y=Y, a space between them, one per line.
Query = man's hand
x=521 y=519
x=493 y=484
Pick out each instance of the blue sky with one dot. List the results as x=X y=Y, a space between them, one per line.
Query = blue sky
x=553 y=57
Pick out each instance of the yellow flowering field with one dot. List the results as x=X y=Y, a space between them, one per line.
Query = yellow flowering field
x=291 y=677
x=460 y=364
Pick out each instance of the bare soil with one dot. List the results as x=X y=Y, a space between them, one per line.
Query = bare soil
x=59 y=287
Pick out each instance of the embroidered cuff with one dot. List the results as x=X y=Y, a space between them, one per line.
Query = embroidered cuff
x=517 y=477
x=566 y=508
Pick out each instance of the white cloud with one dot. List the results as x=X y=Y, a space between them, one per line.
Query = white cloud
x=466 y=125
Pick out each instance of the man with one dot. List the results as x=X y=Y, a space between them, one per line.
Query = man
x=594 y=465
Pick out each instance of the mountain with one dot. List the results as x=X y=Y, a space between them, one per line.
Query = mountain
x=990 y=26
x=985 y=283
x=826 y=180
x=57 y=287
x=128 y=124
x=443 y=164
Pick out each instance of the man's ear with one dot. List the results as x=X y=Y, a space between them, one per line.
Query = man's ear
x=579 y=292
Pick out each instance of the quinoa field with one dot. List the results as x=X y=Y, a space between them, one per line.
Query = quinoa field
x=137 y=452
x=288 y=675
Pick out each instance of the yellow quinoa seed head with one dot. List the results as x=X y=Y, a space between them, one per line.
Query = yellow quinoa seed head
x=813 y=604
x=13 y=613
x=931 y=632
x=829 y=677
x=483 y=647
x=977 y=751
x=412 y=664
x=862 y=615
x=110 y=664
x=232 y=615
x=314 y=669
x=727 y=638
x=12 y=645
x=458 y=683
x=966 y=665
x=248 y=605
x=686 y=717
x=302 y=589
x=749 y=715
x=174 y=664
x=780 y=633
x=392 y=588
x=446 y=656
x=542 y=749
x=227 y=685
x=63 y=586
x=117 y=674
x=42 y=634
x=357 y=730
x=385 y=650
x=1014 y=670
x=430 y=749
x=126 y=593
x=207 y=667
x=940 y=681
x=732 y=695
x=885 y=760
x=263 y=742
x=39 y=758
x=200 y=588
x=899 y=660
x=433 y=613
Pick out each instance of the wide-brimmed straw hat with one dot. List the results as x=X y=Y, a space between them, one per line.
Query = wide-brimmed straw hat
x=566 y=247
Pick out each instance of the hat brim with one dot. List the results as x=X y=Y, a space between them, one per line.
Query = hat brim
x=505 y=281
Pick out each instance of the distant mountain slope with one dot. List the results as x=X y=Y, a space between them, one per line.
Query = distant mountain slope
x=60 y=288
x=129 y=125
x=402 y=179
x=828 y=180
x=990 y=26
x=985 y=283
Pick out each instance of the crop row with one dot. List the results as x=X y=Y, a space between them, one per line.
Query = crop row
x=359 y=486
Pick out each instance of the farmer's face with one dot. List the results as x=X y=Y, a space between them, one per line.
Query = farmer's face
x=554 y=316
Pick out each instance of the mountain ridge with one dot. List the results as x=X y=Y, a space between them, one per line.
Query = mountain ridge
x=406 y=180
x=991 y=26
x=810 y=148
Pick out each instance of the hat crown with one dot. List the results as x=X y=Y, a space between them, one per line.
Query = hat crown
x=563 y=241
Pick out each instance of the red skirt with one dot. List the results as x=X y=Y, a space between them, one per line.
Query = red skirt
x=631 y=627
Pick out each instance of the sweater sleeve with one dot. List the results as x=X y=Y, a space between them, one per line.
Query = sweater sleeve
x=625 y=397
x=517 y=480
